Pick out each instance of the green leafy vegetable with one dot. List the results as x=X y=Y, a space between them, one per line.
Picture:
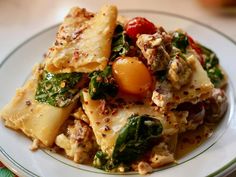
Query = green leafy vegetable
x=211 y=65
x=57 y=89
x=120 y=46
x=211 y=60
x=180 y=41
x=216 y=76
x=134 y=139
x=102 y=161
x=102 y=84
x=4 y=172
x=161 y=75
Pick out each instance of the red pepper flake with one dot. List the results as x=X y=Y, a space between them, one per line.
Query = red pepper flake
x=107 y=119
x=103 y=135
x=176 y=125
x=76 y=54
x=107 y=128
x=77 y=33
x=207 y=135
x=185 y=92
x=28 y=102
x=106 y=111
x=177 y=97
x=56 y=43
x=114 y=111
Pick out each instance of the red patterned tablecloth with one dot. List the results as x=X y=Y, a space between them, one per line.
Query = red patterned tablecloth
x=5 y=172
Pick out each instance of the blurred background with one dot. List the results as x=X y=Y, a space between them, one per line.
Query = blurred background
x=20 y=19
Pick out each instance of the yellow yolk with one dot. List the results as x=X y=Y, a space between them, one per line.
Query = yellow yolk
x=131 y=75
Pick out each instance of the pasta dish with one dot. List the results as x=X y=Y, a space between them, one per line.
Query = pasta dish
x=120 y=94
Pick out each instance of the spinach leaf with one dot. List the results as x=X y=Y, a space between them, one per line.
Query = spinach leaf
x=180 y=41
x=102 y=84
x=211 y=60
x=216 y=76
x=102 y=161
x=135 y=138
x=138 y=135
x=211 y=65
x=5 y=172
x=57 y=89
x=119 y=44
x=161 y=75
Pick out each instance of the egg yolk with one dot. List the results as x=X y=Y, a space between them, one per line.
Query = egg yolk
x=131 y=75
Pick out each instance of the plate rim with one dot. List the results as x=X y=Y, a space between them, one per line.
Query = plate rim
x=18 y=168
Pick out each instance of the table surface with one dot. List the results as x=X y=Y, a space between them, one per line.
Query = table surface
x=20 y=19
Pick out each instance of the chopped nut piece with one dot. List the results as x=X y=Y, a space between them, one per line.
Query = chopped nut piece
x=144 y=168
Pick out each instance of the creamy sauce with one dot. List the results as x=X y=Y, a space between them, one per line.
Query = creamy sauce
x=190 y=140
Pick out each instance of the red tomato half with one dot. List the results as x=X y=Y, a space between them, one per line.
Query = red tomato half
x=139 y=25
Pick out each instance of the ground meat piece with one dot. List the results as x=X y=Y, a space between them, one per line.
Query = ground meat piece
x=179 y=72
x=156 y=49
x=162 y=95
x=78 y=142
x=216 y=106
x=194 y=117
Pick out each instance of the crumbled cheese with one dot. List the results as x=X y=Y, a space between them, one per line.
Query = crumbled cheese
x=161 y=155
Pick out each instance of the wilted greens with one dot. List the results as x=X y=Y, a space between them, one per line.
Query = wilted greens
x=180 y=41
x=57 y=89
x=102 y=84
x=138 y=135
x=211 y=65
x=120 y=46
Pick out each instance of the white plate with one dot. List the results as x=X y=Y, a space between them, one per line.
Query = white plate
x=215 y=157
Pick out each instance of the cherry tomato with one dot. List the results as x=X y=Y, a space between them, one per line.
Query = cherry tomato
x=196 y=48
x=131 y=75
x=139 y=25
